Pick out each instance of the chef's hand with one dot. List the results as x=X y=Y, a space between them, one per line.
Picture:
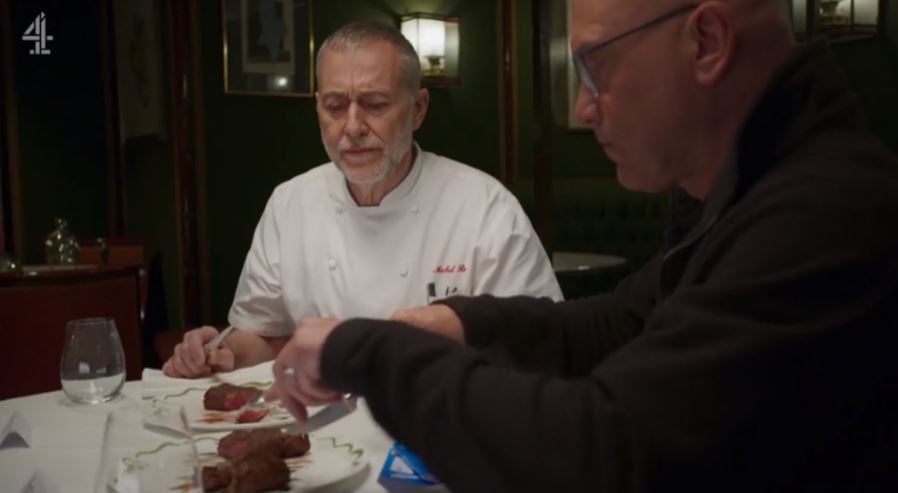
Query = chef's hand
x=436 y=318
x=297 y=372
x=190 y=361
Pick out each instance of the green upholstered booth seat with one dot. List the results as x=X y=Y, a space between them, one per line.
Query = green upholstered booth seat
x=599 y=216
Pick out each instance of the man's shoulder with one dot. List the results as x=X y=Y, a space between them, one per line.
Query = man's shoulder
x=452 y=173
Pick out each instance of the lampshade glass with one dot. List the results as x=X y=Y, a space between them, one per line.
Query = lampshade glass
x=866 y=12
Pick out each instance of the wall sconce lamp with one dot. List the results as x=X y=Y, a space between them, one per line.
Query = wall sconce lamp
x=436 y=40
x=837 y=19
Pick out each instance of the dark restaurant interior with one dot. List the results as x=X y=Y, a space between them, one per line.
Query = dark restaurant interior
x=127 y=131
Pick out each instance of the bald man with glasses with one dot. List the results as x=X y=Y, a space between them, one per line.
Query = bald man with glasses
x=756 y=352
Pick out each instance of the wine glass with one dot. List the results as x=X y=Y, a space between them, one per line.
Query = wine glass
x=140 y=459
x=92 y=367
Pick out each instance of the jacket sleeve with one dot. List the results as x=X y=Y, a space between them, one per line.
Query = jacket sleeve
x=738 y=384
x=258 y=304
x=566 y=339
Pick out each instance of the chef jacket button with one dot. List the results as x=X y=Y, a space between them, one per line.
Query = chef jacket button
x=403 y=272
x=332 y=264
x=415 y=209
x=339 y=209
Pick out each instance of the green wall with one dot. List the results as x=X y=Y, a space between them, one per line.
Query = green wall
x=61 y=122
x=575 y=153
x=150 y=208
x=255 y=142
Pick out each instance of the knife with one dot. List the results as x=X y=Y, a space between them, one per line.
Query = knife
x=324 y=417
x=215 y=341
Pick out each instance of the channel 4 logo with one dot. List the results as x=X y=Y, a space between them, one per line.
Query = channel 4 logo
x=37 y=32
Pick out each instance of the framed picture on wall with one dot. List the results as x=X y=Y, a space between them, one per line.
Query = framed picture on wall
x=268 y=47
x=138 y=67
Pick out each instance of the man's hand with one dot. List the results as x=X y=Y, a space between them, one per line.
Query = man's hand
x=297 y=372
x=437 y=318
x=189 y=360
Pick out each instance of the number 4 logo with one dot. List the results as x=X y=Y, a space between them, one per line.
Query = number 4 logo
x=37 y=32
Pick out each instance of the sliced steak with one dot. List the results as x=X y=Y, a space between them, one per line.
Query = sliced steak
x=294 y=445
x=258 y=473
x=239 y=444
x=268 y=441
x=227 y=397
x=252 y=415
x=216 y=477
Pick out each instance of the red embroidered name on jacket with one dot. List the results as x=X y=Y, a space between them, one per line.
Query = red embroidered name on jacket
x=450 y=269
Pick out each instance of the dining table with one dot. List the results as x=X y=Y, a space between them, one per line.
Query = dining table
x=62 y=452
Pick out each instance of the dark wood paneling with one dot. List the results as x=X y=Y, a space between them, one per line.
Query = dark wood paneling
x=115 y=174
x=542 y=105
x=184 y=159
x=13 y=237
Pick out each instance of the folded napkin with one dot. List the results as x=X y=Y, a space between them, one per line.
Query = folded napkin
x=155 y=383
x=16 y=433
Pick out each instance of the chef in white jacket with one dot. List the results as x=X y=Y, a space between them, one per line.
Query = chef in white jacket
x=384 y=226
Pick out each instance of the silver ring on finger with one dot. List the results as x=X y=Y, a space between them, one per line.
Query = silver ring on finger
x=290 y=371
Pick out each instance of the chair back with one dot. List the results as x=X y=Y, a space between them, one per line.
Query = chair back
x=34 y=308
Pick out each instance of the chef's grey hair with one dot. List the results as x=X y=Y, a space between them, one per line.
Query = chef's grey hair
x=355 y=34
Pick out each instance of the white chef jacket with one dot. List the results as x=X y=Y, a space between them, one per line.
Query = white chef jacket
x=447 y=229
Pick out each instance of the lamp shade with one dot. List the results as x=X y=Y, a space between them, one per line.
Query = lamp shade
x=435 y=39
x=836 y=18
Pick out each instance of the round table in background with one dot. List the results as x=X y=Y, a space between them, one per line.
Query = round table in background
x=582 y=274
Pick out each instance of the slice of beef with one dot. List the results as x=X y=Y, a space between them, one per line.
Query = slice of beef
x=294 y=445
x=258 y=473
x=216 y=477
x=239 y=444
x=252 y=415
x=266 y=441
x=227 y=397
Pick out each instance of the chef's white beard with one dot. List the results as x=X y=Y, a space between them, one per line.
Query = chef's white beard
x=391 y=160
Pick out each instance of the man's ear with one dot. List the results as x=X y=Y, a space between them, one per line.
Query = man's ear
x=422 y=102
x=711 y=28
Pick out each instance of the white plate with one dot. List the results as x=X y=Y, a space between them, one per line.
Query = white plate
x=168 y=465
x=200 y=419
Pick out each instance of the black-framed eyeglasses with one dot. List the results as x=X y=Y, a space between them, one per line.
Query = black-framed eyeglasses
x=587 y=73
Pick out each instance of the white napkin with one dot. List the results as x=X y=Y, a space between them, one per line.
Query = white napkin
x=40 y=482
x=155 y=383
x=16 y=433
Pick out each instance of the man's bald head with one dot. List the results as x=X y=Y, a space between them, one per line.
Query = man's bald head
x=667 y=99
x=623 y=14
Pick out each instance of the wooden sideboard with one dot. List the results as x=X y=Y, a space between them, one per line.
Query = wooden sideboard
x=36 y=304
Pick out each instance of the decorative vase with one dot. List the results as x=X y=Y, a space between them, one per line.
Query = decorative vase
x=61 y=247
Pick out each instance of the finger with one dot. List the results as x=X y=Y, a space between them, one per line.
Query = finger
x=272 y=394
x=282 y=389
x=194 y=355
x=182 y=362
x=169 y=370
x=312 y=393
x=295 y=408
x=221 y=359
x=180 y=369
x=185 y=370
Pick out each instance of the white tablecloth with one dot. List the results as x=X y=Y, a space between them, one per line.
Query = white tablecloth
x=66 y=442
